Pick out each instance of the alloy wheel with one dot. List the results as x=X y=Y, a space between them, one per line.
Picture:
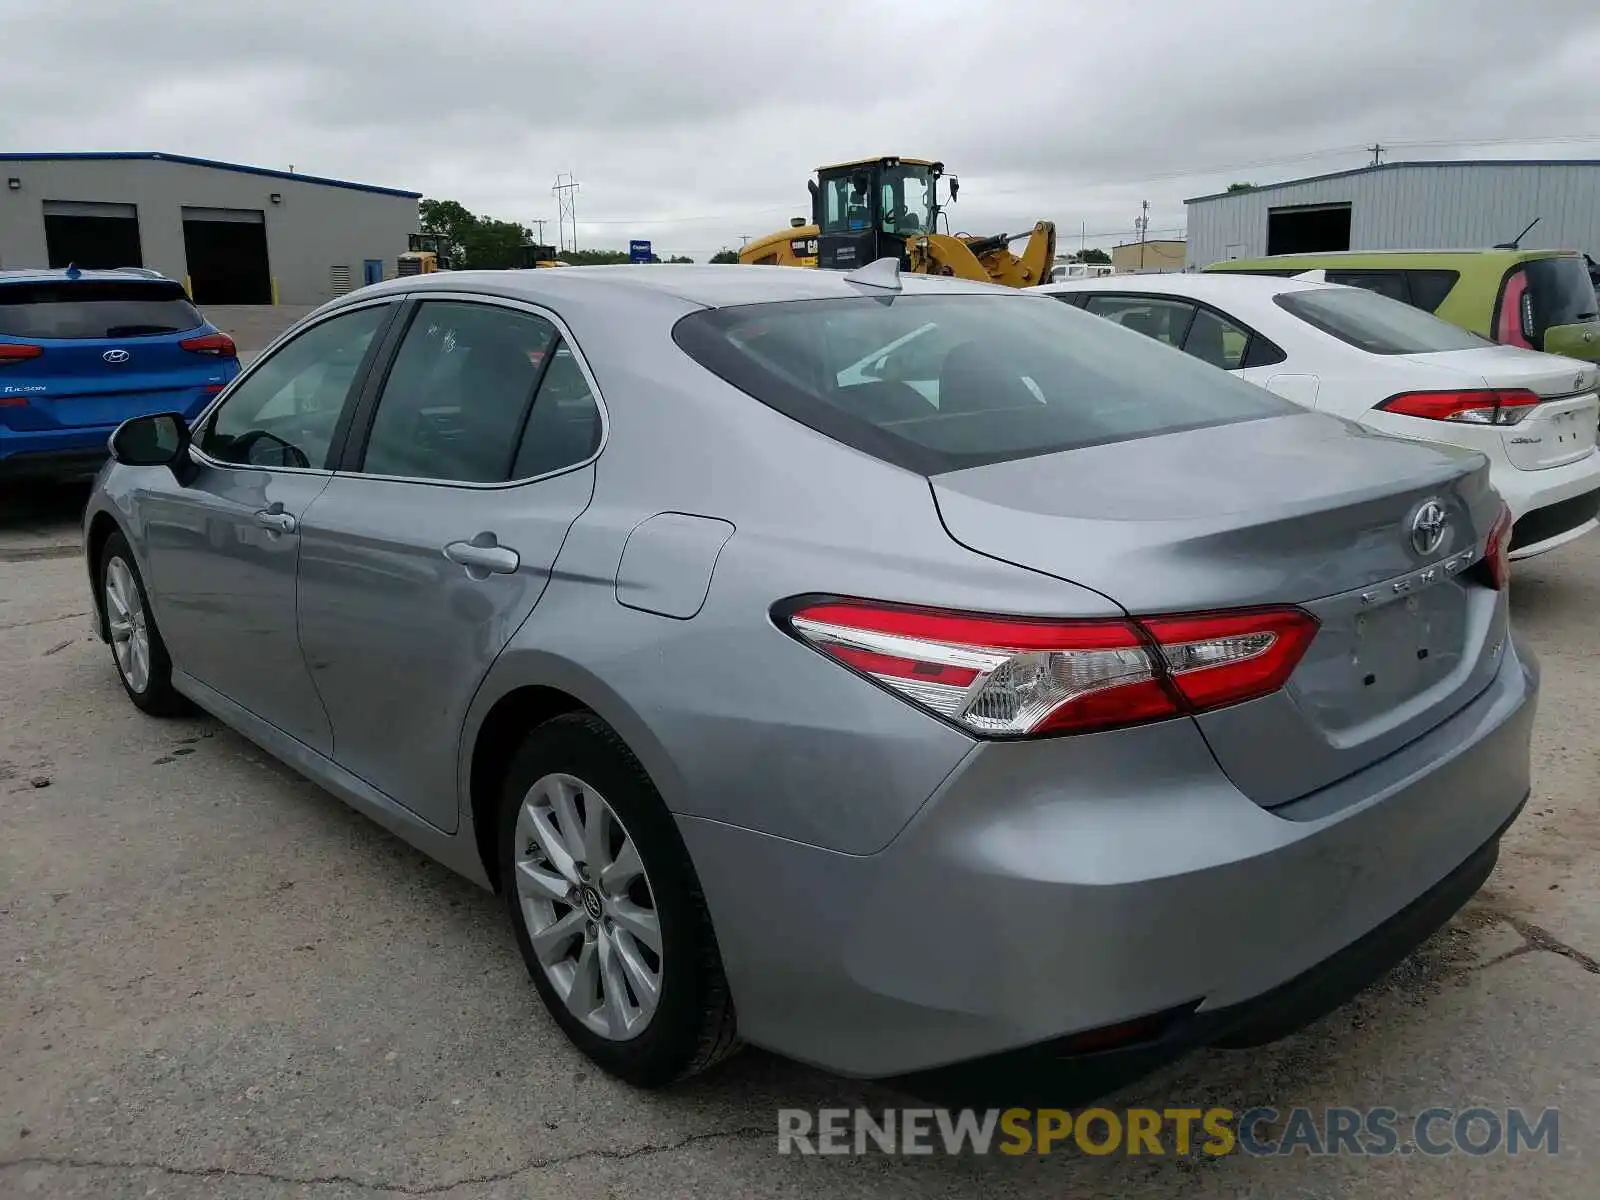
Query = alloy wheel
x=125 y=619
x=586 y=902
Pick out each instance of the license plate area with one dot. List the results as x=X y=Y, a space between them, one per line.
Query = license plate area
x=1372 y=657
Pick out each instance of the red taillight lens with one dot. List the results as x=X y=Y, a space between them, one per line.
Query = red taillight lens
x=219 y=344
x=1513 y=322
x=1223 y=658
x=15 y=352
x=1485 y=406
x=1497 y=554
x=1011 y=677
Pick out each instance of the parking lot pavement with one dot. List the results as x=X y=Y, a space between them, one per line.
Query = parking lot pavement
x=253 y=326
x=220 y=982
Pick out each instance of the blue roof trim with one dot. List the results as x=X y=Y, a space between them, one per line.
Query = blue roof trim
x=1395 y=166
x=215 y=164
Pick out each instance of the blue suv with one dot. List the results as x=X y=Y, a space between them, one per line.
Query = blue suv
x=82 y=351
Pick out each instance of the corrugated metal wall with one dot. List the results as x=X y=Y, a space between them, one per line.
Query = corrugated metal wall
x=1411 y=206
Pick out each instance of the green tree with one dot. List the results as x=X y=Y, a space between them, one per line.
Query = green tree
x=1241 y=187
x=593 y=258
x=725 y=256
x=1092 y=255
x=679 y=258
x=494 y=245
x=451 y=221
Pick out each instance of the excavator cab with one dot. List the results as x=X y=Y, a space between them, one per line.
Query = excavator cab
x=866 y=210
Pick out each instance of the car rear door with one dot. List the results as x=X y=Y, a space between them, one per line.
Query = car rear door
x=436 y=537
x=223 y=547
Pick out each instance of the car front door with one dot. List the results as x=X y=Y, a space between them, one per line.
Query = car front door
x=223 y=548
x=435 y=539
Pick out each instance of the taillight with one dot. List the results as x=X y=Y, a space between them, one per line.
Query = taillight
x=15 y=352
x=1476 y=406
x=1018 y=676
x=1497 y=554
x=1513 y=322
x=219 y=344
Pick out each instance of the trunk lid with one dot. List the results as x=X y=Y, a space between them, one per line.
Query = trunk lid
x=1302 y=509
x=1560 y=430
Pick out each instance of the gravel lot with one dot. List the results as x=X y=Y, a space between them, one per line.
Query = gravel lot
x=220 y=982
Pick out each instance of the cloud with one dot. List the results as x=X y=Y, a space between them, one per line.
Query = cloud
x=694 y=123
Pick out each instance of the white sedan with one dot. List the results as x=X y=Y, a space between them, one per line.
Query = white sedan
x=1391 y=367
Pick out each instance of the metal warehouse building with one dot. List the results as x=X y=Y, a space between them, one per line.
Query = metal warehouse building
x=234 y=234
x=1424 y=205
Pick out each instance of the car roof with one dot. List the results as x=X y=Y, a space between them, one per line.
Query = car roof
x=704 y=286
x=1217 y=288
x=60 y=275
x=1475 y=252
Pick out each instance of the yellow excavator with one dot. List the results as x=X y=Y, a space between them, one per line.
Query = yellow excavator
x=889 y=208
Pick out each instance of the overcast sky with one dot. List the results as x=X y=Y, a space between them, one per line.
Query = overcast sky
x=692 y=123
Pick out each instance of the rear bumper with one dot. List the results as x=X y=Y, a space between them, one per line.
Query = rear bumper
x=53 y=453
x=1556 y=524
x=1057 y=887
x=78 y=451
x=1062 y=1073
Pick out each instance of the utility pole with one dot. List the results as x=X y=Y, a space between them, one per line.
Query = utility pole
x=539 y=221
x=1144 y=229
x=566 y=194
x=1377 y=149
x=744 y=240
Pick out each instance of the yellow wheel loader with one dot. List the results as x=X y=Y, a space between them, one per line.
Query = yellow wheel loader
x=425 y=254
x=889 y=208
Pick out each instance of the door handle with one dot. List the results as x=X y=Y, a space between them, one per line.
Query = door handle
x=483 y=556
x=276 y=519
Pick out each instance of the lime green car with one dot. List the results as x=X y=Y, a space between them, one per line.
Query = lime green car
x=1537 y=299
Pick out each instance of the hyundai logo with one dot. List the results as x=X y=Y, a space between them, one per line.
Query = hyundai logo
x=115 y=356
x=1428 y=528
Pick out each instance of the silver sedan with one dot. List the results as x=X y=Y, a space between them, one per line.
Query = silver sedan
x=920 y=679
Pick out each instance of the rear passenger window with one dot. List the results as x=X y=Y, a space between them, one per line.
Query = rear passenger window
x=1429 y=288
x=457 y=396
x=1216 y=340
x=1386 y=283
x=1164 y=320
x=564 y=425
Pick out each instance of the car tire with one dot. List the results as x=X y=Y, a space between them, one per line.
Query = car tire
x=692 y=1025
x=137 y=651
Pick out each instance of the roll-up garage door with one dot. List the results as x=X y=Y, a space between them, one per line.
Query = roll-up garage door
x=227 y=253
x=91 y=235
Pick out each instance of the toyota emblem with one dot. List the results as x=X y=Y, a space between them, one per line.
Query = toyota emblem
x=1428 y=528
x=115 y=356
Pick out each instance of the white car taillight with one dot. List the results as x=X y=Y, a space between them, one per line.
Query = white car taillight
x=1015 y=676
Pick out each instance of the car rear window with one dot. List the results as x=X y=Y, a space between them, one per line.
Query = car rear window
x=939 y=383
x=1562 y=292
x=1376 y=323
x=95 y=309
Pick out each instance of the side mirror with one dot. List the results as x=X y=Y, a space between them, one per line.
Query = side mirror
x=955 y=188
x=157 y=440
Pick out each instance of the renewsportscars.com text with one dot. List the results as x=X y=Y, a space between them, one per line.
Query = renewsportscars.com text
x=1361 y=1132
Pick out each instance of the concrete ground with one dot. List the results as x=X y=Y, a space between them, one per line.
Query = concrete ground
x=252 y=326
x=217 y=981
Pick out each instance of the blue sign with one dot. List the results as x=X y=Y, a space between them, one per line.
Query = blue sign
x=639 y=252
